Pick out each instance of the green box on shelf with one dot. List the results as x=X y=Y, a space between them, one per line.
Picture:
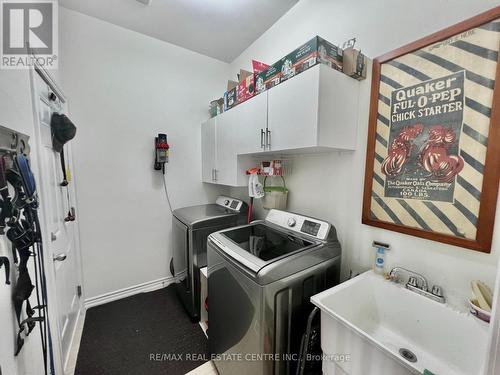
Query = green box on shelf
x=230 y=98
x=316 y=51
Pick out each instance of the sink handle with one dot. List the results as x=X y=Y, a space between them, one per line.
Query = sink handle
x=412 y=281
x=437 y=291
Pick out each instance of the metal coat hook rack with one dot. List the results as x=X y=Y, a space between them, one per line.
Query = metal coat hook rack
x=13 y=142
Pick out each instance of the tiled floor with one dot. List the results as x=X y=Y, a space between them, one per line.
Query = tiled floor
x=205 y=369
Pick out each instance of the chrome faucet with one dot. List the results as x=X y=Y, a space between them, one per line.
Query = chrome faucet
x=412 y=281
x=418 y=284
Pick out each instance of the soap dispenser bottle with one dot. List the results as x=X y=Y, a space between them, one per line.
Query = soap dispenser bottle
x=379 y=264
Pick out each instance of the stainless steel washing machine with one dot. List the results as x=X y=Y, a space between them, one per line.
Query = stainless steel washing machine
x=260 y=279
x=190 y=228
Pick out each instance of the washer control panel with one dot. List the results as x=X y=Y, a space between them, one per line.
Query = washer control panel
x=298 y=223
x=230 y=203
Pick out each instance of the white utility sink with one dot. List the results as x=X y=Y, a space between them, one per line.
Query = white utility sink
x=367 y=320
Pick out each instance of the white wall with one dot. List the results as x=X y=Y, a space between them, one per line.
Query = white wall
x=16 y=112
x=123 y=89
x=331 y=186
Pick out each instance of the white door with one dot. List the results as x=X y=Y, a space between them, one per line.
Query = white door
x=60 y=236
x=293 y=112
x=208 y=149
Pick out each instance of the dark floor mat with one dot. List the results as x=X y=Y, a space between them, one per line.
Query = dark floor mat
x=148 y=333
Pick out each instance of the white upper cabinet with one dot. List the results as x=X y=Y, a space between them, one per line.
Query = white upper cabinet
x=338 y=106
x=316 y=110
x=220 y=146
x=293 y=112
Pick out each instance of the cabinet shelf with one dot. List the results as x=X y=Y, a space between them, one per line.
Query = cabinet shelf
x=316 y=111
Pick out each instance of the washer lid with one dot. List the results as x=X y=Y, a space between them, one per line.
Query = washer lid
x=223 y=210
x=203 y=215
x=258 y=244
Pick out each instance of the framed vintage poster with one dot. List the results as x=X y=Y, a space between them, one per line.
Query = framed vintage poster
x=433 y=157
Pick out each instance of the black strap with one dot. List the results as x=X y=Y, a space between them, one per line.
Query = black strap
x=22 y=292
x=63 y=166
x=70 y=216
x=4 y=261
x=6 y=203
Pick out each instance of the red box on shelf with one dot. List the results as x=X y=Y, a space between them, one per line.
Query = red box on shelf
x=246 y=87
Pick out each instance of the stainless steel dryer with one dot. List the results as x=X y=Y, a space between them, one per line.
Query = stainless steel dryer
x=260 y=279
x=190 y=228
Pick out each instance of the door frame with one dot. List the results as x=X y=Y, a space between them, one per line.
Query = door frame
x=53 y=313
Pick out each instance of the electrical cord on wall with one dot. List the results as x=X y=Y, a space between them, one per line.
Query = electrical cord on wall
x=166 y=193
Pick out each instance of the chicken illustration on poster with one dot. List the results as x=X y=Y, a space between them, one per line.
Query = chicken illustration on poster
x=423 y=157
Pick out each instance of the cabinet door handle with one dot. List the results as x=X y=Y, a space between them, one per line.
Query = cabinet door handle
x=215 y=174
x=262 y=145
x=268 y=138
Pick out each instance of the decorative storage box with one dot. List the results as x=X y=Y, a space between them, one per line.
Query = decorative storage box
x=230 y=96
x=354 y=63
x=315 y=51
x=246 y=87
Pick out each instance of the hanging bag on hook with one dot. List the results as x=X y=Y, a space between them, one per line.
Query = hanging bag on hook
x=63 y=130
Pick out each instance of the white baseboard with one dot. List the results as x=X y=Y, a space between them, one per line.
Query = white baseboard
x=127 y=292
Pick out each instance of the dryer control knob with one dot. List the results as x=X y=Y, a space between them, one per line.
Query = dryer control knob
x=226 y=202
x=291 y=222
